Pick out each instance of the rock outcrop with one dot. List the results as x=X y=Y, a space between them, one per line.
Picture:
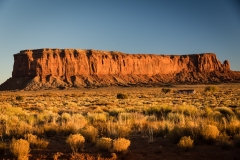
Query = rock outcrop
x=61 y=68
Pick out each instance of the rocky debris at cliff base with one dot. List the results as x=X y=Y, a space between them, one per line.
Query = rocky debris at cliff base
x=74 y=68
x=106 y=81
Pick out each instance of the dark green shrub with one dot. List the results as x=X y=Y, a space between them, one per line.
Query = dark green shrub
x=19 y=98
x=166 y=90
x=121 y=96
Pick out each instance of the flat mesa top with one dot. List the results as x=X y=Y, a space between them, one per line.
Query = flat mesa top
x=49 y=50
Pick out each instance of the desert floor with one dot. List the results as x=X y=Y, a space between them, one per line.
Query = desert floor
x=146 y=143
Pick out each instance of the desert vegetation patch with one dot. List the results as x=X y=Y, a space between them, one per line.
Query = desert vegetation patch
x=122 y=123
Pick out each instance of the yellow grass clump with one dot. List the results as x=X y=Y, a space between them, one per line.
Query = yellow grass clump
x=90 y=133
x=104 y=144
x=76 y=142
x=36 y=142
x=20 y=148
x=210 y=133
x=186 y=143
x=121 y=145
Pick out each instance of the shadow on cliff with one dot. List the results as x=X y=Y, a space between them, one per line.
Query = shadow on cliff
x=15 y=83
x=71 y=68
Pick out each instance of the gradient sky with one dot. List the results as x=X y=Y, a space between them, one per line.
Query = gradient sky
x=130 y=26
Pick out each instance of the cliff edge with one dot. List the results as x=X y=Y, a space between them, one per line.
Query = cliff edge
x=61 y=68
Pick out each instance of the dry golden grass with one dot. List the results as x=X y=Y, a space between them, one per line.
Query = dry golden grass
x=147 y=112
x=121 y=145
x=76 y=142
x=104 y=144
x=186 y=143
x=210 y=133
x=90 y=133
x=20 y=148
x=35 y=142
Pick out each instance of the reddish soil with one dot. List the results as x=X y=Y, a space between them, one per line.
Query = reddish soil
x=140 y=149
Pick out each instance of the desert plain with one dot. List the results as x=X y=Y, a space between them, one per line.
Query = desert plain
x=150 y=121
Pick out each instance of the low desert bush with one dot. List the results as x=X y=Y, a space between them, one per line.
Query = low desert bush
x=159 y=111
x=17 y=128
x=166 y=90
x=76 y=142
x=175 y=134
x=216 y=115
x=175 y=117
x=211 y=89
x=92 y=117
x=86 y=156
x=187 y=110
x=209 y=133
x=79 y=120
x=125 y=117
x=233 y=127
x=226 y=112
x=121 y=145
x=19 y=98
x=237 y=112
x=51 y=129
x=20 y=148
x=186 y=143
x=36 y=142
x=116 y=111
x=236 y=140
x=123 y=131
x=122 y=96
x=207 y=111
x=67 y=128
x=104 y=144
x=193 y=131
x=56 y=155
x=90 y=133
x=65 y=117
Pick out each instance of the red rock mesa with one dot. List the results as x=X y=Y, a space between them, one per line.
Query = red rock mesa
x=61 y=68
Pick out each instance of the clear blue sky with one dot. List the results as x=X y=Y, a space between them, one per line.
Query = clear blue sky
x=130 y=26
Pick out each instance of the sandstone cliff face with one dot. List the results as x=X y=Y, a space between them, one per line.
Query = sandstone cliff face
x=50 y=68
